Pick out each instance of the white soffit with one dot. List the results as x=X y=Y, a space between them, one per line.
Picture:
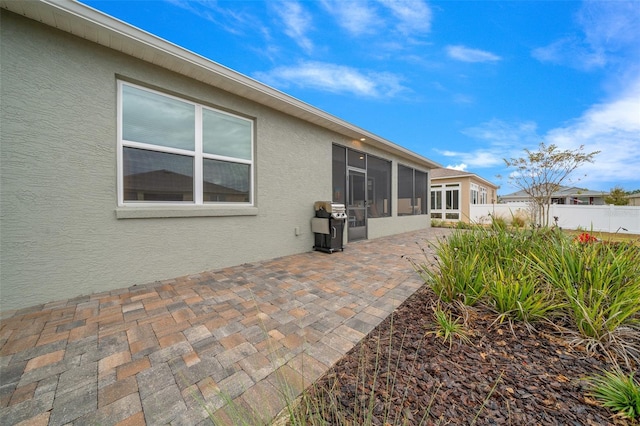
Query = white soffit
x=87 y=23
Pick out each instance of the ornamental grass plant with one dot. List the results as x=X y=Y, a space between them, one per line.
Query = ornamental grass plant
x=618 y=392
x=448 y=327
x=600 y=283
x=533 y=274
x=587 y=287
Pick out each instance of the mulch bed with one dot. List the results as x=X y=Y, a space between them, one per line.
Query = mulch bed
x=503 y=376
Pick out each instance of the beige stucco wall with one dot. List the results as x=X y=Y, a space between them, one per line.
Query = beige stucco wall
x=634 y=201
x=60 y=236
x=465 y=196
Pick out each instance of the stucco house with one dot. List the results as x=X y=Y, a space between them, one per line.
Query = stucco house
x=126 y=159
x=634 y=199
x=564 y=195
x=454 y=191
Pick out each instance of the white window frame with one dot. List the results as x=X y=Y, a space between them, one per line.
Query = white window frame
x=444 y=211
x=197 y=154
x=483 y=195
x=474 y=193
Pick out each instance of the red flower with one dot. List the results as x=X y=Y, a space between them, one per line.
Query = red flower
x=585 y=238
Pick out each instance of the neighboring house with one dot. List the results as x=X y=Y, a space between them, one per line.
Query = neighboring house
x=126 y=159
x=564 y=195
x=634 y=199
x=453 y=191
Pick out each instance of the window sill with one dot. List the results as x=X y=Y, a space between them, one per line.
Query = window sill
x=158 y=212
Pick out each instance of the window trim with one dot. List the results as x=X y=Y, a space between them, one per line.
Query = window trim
x=444 y=211
x=474 y=193
x=197 y=207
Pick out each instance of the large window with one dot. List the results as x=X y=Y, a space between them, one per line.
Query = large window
x=178 y=151
x=412 y=191
x=445 y=201
x=475 y=193
x=478 y=194
x=483 y=195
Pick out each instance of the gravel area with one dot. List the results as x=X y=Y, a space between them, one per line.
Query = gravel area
x=503 y=375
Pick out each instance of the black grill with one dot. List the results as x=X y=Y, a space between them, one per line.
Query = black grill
x=328 y=226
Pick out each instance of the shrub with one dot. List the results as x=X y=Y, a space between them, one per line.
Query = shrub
x=437 y=223
x=518 y=221
x=498 y=223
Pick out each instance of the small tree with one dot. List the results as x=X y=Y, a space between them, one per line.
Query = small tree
x=617 y=197
x=540 y=173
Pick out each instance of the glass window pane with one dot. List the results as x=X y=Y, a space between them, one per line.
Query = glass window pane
x=378 y=187
x=339 y=174
x=357 y=159
x=226 y=182
x=420 y=193
x=157 y=176
x=436 y=199
x=453 y=196
x=405 y=190
x=226 y=135
x=152 y=118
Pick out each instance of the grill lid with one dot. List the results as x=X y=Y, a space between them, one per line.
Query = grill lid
x=336 y=210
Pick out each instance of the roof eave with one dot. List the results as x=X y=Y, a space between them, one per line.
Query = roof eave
x=464 y=176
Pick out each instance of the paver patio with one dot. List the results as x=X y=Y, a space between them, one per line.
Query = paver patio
x=174 y=351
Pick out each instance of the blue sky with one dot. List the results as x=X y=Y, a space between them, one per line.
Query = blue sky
x=464 y=83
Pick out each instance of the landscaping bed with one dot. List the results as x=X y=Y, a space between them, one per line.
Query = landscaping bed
x=511 y=327
x=501 y=376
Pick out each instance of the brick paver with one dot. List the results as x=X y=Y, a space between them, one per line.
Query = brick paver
x=173 y=351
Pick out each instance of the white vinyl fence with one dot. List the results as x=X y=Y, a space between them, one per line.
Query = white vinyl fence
x=621 y=219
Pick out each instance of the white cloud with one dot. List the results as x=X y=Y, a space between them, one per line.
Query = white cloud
x=610 y=25
x=481 y=158
x=461 y=167
x=356 y=17
x=501 y=140
x=406 y=17
x=334 y=78
x=614 y=129
x=235 y=21
x=572 y=52
x=608 y=33
x=297 y=22
x=502 y=135
x=414 y=16
x=466 y=54
x=460 y=98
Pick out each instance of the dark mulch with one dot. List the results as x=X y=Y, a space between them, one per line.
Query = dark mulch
x=503 y=376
